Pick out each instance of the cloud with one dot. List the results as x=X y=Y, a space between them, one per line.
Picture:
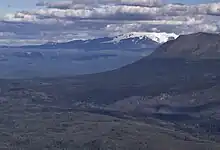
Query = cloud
x=66 y=20
x=75 y=3
x=113 y=10
x=108 y=8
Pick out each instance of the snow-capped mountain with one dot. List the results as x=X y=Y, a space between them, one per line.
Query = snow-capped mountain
x=159 y=37
x=128 y=41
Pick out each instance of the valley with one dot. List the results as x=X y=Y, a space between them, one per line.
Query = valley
x=173 y=101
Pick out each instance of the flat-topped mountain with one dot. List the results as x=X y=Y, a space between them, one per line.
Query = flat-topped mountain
x=192 y=46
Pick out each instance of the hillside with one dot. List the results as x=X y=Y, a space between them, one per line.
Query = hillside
x=197 y=45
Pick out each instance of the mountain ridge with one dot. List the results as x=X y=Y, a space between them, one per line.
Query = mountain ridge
x=99 y=44
x=127 y=41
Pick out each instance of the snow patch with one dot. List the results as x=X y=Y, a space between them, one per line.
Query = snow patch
x=159 y=37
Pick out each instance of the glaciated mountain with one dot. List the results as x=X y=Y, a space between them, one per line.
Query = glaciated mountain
x=159 y=37
x=129 y=41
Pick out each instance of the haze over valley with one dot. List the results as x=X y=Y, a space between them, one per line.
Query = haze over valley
x=74 y=57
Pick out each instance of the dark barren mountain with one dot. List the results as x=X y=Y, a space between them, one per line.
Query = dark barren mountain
x=169 y=100
x=194 y=46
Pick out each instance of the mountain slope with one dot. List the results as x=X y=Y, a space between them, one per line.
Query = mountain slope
x=198 y=45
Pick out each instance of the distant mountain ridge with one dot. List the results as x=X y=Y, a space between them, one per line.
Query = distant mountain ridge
x=99 y=44
x=129 y=41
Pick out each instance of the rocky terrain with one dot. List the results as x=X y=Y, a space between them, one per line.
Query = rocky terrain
x=164 y=101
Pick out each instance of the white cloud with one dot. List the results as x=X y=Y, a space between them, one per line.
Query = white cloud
x=130 y=10
x=107 y=17
x=73 y=3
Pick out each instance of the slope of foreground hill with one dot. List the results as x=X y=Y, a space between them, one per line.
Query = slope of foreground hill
x=198 y=45
x=158 y=102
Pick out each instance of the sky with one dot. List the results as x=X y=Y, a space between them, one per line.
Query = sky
x=15 y=5
x=37 y=21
